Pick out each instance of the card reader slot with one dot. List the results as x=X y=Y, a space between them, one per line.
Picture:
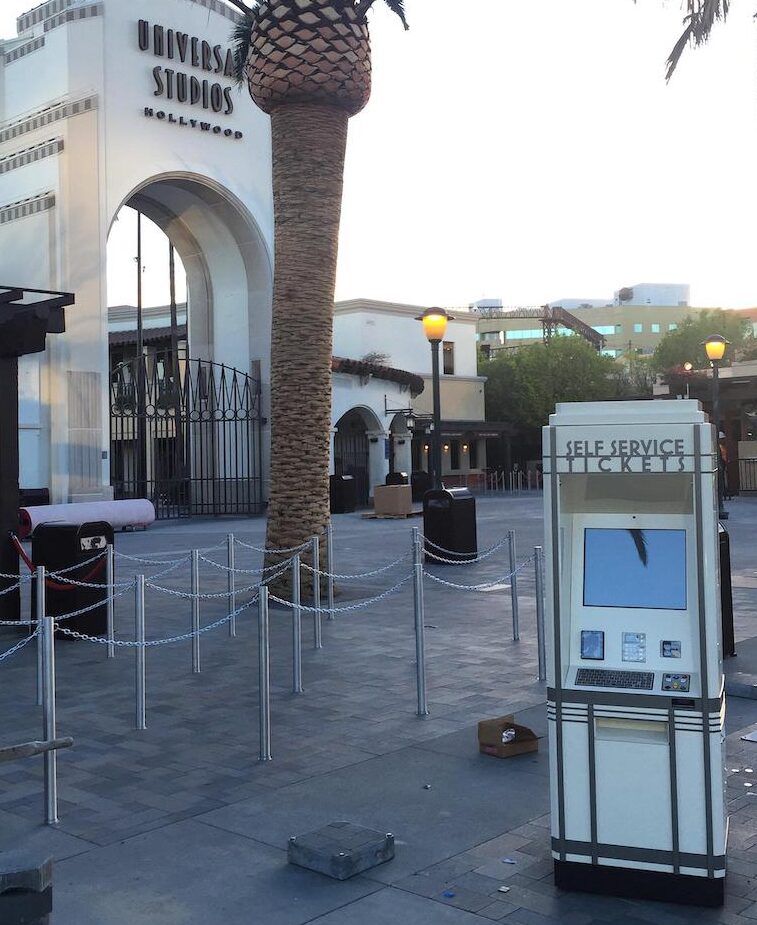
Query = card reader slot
x=631 y=730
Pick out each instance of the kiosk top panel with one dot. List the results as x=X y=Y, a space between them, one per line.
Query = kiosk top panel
x=638 y=413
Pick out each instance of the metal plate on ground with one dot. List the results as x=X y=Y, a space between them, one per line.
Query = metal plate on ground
x=341 y=850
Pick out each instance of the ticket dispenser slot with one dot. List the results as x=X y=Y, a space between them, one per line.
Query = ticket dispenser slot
x=633 y=650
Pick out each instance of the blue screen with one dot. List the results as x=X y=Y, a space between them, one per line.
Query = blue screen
x=635 y=568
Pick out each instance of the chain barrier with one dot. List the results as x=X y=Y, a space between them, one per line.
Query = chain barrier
x=12 y=588
x=357 y=606
x=152 y=643
x=480 y=557
x=9 y=653
x=208 y=596
x=377 y=571
x=22 y=579
x=484 y=586
x=122 y=555
x=284 y=549
x=246 y=571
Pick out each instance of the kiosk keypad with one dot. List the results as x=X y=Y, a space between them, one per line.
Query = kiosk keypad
x=629 y=680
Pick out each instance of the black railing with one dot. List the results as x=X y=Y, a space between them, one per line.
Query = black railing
x=187 y=436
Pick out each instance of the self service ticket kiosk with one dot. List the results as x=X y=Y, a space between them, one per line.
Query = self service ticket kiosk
x=635 y=685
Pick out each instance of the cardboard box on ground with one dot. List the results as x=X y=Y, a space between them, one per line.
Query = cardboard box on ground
x=490 y=738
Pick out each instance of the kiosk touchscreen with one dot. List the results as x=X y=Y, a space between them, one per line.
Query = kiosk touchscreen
x=635 y=686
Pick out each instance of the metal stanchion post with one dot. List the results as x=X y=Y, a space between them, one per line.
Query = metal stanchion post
x=330 y=566
x=264 y=678
x=296 y=625
x=231 y=565
x=420 y=637
x=317 y=635
x=139 y=651
x=513 y=584
x=110 y=582
x=195 y=582
x=39 y=578
x=540 y=641
x=49 y=721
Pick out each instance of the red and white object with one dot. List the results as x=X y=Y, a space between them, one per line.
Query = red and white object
x=137 y=512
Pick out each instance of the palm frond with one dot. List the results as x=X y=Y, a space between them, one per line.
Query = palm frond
x=699 y=21
x=640 y=542
x=241 y=41
x=396 y=6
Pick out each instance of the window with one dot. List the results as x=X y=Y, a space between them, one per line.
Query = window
x=606 y=329
x=672 y=326
x=638 y=328
x=448 y=349
x=655 y=328
x=611 y=353
x=526 y=334
x=454 y=455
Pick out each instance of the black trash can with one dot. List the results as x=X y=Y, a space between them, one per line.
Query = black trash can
x=726 y=593
x=420 y=481
x=449 y=524
x=59 y=546
x=397 y=478
x=343 y=494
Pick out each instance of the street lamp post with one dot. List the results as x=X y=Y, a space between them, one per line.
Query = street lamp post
x=434 y=326
x=715 y=347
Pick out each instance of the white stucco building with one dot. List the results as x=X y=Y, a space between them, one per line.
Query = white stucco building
x=109 y=103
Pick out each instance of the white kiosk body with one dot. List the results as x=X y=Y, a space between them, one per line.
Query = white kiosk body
x=635 y=686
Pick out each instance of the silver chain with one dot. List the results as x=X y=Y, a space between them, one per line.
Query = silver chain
x=377 y=571
x=122 y=555
x=246 y=571
x=479 y=557
x=284 y=549
x=484 y=586
x=151 y=643
x=357 y=606
x=17 y=648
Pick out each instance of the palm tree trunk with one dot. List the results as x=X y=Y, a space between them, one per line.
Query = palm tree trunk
x=309 y=143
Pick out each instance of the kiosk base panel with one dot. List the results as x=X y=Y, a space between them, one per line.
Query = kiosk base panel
x=639 y=884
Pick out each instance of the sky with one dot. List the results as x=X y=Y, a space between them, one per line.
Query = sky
x=533 y=151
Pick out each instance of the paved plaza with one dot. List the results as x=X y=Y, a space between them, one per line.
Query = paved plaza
x=182 y=825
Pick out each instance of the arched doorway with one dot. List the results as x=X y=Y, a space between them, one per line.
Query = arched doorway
x=186 y=415
x=352 y=450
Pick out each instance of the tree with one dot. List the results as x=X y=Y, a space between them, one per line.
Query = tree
x=523 y=386
x=307 y=63
x=700 y=18
x=684 y=345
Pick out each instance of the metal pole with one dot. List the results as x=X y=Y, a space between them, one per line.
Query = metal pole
x=420 y=637
x=39 y=577
x=330 y=560
x=722 y=515
x=436 y=436
x=109 y=581
x=317 y=635
x=139 y=650
x=49 y=722
x=195 y=582
x=264 y=677
x=296 y=625
x=540 y=627
x=513 y=584
x=231 y=565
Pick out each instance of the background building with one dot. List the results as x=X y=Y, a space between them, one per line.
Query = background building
x=131 y=103
x=631 y=323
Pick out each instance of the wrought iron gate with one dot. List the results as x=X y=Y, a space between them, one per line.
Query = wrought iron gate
x=187 y=438
x=351 y=458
